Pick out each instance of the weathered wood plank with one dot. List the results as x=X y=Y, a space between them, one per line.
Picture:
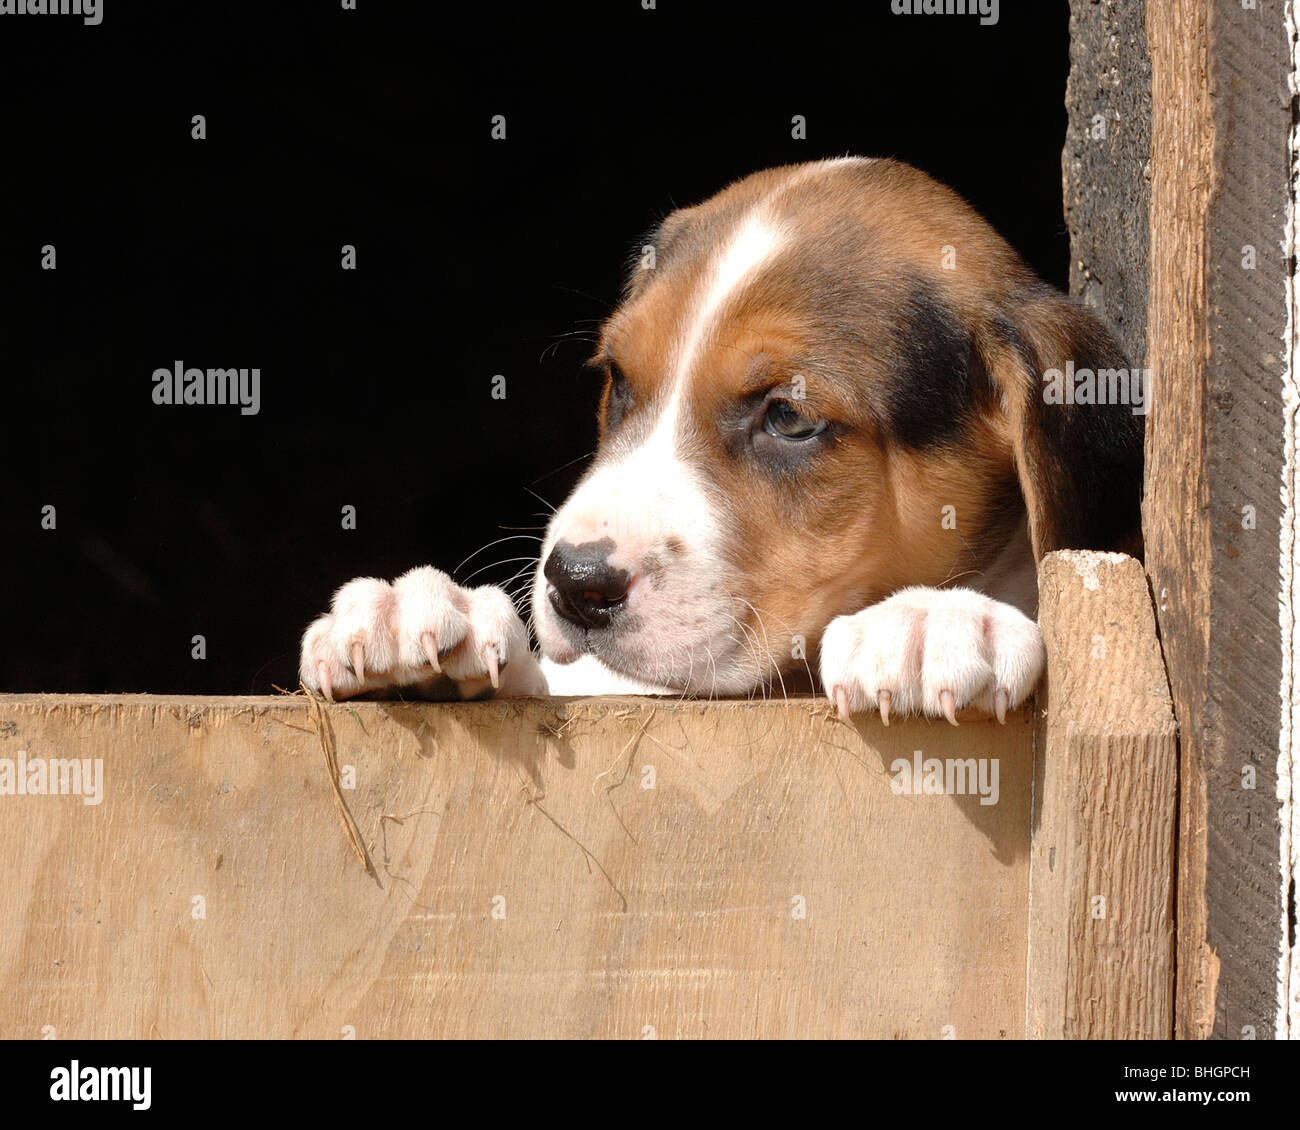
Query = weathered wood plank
x=1107 y=165
x=1101 y=883
x=1217 y=321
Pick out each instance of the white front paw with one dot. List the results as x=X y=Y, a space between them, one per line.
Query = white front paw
x=418 y=630
x=931 y=651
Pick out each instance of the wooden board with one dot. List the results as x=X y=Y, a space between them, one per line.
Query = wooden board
x=624 y=910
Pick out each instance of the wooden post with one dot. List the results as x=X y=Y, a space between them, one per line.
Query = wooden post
x=1101 y=926
x=1215 y=518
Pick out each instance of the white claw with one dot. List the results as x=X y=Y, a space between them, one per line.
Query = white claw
x=359 y=661
x=949 y=706
x=494 y=673
x=323 y=673
x=841 y=698
x=885 y=700
x=1000 y=700
x=431 y=651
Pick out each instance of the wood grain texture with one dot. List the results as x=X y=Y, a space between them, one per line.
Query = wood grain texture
x=1101 y=896
x=626 y=909
x=1221 y=110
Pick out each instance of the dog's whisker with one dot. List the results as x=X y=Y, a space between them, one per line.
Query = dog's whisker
x=785 y=627
x=775 y=666
x=690 y=671
x=752 y=647
x=497 y=565
x=549 y=508
x=751 y=644
x=526 y=589
x=957 y=576
x=481 y=549
x=577 y=336
x=562 y=467
x=601 y=302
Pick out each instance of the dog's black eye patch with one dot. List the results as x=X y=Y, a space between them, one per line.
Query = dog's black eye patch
x=938 y=381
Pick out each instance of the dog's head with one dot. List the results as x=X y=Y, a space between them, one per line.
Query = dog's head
x=823 y=384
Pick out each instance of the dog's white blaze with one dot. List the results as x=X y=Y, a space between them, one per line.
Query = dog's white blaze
x=759 y=237
x=639 y=502
x=756 y=242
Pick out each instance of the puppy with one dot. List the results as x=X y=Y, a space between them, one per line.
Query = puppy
x=827 y=444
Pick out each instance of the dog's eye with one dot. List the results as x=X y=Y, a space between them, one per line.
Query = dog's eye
x=785 y=420
x=619 y=398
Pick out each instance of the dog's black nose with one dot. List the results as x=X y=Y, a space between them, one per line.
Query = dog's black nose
x=584 y=588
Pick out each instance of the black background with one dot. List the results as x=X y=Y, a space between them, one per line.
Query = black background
x=475 y=257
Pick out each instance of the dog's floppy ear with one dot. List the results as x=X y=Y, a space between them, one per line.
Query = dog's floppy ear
x=1076 y=413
